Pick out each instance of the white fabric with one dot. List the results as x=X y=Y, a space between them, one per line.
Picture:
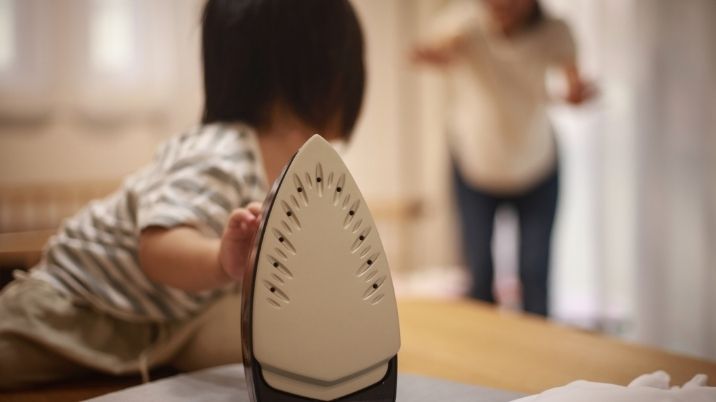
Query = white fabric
x=648 y=387
x=497 y=120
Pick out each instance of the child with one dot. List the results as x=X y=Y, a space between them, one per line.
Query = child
x=127 y=282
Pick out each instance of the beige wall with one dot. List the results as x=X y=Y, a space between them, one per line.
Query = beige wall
x=64 y=143
x=399 y=152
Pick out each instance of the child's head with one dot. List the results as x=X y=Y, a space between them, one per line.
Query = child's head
x=303 y=56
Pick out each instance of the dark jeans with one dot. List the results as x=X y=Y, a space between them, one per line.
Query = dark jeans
x=536 y=209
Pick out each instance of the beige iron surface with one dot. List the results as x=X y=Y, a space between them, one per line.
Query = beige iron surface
x=324 y=317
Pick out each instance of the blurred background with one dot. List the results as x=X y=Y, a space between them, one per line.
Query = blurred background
x=89 y=88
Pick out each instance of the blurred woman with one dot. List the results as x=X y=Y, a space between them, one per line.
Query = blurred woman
x=496 y=54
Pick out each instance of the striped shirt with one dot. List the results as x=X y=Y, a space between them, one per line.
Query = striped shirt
x=195 y=179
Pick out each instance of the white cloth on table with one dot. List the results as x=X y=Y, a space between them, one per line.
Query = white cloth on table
x=648 y=387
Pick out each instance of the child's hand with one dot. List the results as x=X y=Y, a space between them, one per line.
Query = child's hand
x=236 y=242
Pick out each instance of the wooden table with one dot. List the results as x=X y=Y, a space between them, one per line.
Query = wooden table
x=476 y=344
x=473 y=343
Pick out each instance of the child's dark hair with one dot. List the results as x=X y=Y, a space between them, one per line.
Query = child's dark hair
x=306 y=55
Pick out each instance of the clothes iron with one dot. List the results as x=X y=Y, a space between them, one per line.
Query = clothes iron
x=319 y=317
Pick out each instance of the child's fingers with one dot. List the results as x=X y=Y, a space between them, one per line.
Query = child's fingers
x=239 y=216
x=242 y=223
x=254 y=208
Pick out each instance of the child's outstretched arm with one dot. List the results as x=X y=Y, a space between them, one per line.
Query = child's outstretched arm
x=184 y=258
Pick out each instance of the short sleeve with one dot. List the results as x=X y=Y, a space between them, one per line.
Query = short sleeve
x=198 y=191
x=560 y=43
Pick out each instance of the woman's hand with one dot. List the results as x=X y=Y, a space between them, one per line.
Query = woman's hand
x=237 y=240
x=578 y=90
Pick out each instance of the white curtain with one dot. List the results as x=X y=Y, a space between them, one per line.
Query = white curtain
x=636 y=242
x=73 y=53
